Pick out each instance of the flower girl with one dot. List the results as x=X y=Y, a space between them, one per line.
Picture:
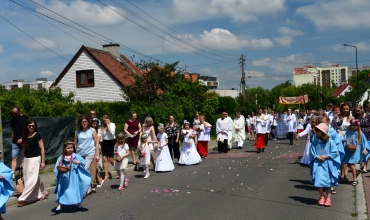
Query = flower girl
x=189 y=154
x=164 y=160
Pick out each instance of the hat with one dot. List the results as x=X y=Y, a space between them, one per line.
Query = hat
x=323 y=127
x=186 y=122
x=354 y=122
x=161 y=126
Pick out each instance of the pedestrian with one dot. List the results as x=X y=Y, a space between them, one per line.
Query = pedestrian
x=260 y=126
x=93 y=116
x=71 y=186
x=148 y=129
x=87 y=145
x=108 y=130
x=230 y=132
x=365 y=129
x=132 y=130
x=189 y=154
x=238 y=130
x=196 y=125
x=164 y=161
x=356 y=148
x=204 y=136
x=253 y=128
x=222 y=130
x=324 y=163
x=274 y=125
x=145 y=154
x=309 y=132
x=290 y=121
x=268 y=126
x=121 y=151
x=6 y=186
x=248 y=125
x=33 y=161
x=300 y=124
x=173 y=132
x=97 y=166
x=17 y=124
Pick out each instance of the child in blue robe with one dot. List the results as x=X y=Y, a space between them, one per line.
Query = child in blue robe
x=324 y=163
x=72 y=185
x=6 y=186
x=354 y=137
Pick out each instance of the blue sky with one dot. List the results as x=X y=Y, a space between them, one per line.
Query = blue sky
x=208 y=36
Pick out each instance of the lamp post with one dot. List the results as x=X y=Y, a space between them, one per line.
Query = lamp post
x=347 y=45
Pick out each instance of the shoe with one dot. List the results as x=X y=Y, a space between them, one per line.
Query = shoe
x=321 y=200
x=355 y=183
x=120 y=188
x=147 y=175
x=21 y=203
x=205 y=157
x=263 y=149
x=240 y=147
x=93 y=190
x=101 y=184
x=126 y=182
x=327 y=203
x=55 y=210
x=79 y=209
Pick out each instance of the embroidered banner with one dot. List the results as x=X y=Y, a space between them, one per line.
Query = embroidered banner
x=293 y=100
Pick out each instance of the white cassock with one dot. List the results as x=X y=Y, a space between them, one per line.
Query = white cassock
x=268 y=123
x=239 y=131
x=291 y=124
x=230 y=133
x=222 y=125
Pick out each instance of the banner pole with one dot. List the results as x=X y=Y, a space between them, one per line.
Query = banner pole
x=1 y=136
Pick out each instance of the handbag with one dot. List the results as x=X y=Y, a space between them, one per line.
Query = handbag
x=19 y=183
x=118 y=159
x=64 y=169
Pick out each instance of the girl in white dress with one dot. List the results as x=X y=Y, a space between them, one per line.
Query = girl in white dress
x=145 y=154
x=164 y=160
x=189 y=154
x=148 y=129
x=121 y=151
x=308 y=131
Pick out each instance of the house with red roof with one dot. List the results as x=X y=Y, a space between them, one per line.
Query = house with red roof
x=342 y=89
x=97 y=75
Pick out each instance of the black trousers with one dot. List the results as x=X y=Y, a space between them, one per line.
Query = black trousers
x=173 y=146
x=290 y=135
x=273 y=132
x=267 y=139
x=222 y=147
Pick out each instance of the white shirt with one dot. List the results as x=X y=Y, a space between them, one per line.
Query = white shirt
x=223 y=125
x=260 y=124
x=162 y=139
x=121 y=150
x=108 y=136
x=291 y=123
x=248 y=121
x=204 y=133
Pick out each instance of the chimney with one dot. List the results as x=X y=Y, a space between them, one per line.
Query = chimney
x=113 y=49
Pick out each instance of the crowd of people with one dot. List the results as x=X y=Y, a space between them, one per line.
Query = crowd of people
x=337 y=139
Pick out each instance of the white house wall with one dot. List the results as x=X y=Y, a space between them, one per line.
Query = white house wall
x=105 y=87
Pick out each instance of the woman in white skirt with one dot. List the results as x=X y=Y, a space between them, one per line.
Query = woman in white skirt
x=189 y=154
x=308 y=131
x=121 y=151
x=164 y=161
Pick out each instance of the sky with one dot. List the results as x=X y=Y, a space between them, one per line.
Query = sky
x=39 y=37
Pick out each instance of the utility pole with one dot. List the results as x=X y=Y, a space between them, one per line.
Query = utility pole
x=242 y=80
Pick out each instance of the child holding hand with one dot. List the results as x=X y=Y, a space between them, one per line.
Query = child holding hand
x=121 y=151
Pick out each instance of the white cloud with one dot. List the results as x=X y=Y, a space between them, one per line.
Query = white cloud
x=35 y=45
x=361 y=46
x=285 y=41
x=1 y=49
x=344 y=14
x=238 y=10
x=261 y=43
x=286 y=64
x=47 y=73
x=86 y=13
x=288 y=31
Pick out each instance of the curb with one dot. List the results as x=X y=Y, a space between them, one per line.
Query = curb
x=14 y=200
x=360 y=198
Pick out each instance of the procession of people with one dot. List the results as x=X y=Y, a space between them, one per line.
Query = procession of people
x=337 y=139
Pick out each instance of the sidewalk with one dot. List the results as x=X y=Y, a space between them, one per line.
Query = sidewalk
x=48 y=178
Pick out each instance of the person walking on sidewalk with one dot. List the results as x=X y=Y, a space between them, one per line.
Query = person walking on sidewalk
x=260 y=126
x=17 y=124
x=173 y=132
x=230 y=132
x=239 y=130
x=164 y=161
x=222 y=130
x=71 y=186
x=324 y=163
x=121 y=151
x=108 y=130
x=268 y=126
x=204 y=136
x=132 y=130
x=290 y=121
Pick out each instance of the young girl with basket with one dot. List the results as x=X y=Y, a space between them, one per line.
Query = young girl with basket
x=356 y=147
x=164 y=161
x=73 y=180
x=121 y=151
x=324 y=163
x=6 y=186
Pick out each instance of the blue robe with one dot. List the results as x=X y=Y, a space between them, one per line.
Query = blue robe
x=71 y=186
x=6 y=186
x=354 y=157
x=324 y=173
x=333 y=134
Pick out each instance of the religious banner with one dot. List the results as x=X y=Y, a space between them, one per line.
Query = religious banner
x=293 y=100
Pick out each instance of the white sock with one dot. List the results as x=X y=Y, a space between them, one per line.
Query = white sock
x=58 y=207
x=147 y=169
x=122 y=177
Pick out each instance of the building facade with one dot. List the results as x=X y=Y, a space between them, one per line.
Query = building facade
x=323 y=76
x=20 y=83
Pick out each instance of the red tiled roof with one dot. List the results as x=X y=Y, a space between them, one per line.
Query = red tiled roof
x=120 y=71
x=340 y=89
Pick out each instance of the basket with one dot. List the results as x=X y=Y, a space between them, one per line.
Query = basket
x=64 y=169
x=351 y=147
x=118 y=159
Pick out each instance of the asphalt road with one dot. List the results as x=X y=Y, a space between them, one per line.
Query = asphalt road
x=261 y=186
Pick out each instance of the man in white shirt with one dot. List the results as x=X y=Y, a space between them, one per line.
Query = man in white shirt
x=230 y=134
x=222 y=131
x=238 y=130
x=290 y=121
x=273 y=125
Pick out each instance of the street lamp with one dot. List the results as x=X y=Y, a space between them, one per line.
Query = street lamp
x=347 y=45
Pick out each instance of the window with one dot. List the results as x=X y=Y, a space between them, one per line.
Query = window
x=85 y=78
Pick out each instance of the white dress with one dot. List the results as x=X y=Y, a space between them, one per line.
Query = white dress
x=146 y=160
x=306 y=153
x=121 y=150
x=189 y=154
x=164 y=160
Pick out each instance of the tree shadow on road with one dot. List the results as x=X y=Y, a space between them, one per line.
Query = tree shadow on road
x=305 y=187
x=306 y=182
x=307 y=201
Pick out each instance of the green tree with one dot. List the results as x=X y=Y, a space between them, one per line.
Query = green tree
x=362 y=87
